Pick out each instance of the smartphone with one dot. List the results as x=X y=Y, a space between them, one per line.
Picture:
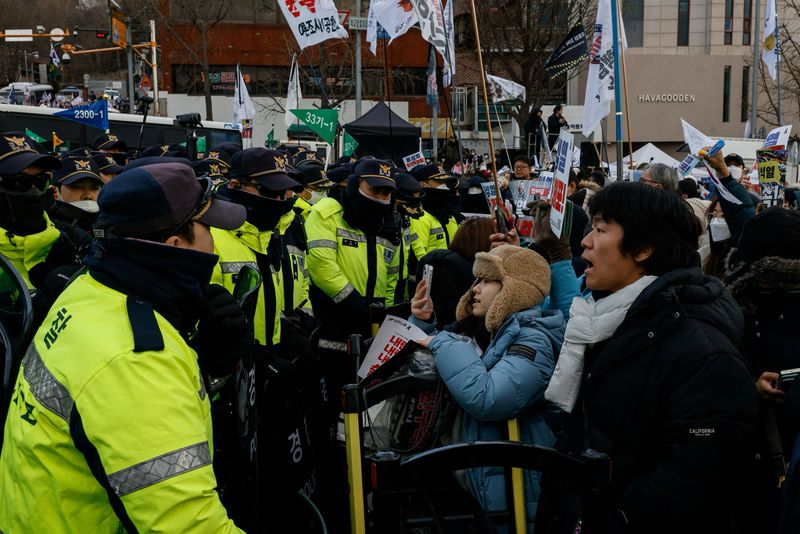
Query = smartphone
x=786 y=378
x=427 y=277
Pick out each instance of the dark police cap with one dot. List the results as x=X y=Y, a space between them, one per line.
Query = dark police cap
x=734 y=159
x=74 y=169
x=17 y=152
x=211 y=168
x=376 y=172
x=217 y=156
x=340 y=173
x=267 y=167
x=312 y=173
x=152 y=160
x=300 y=157
x=108 y=141
x=431 y=172
x=228 y=147
x=170 y=151
x=160 y=197
x=106 y=163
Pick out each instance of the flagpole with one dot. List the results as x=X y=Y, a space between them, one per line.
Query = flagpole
x=498 y=198
x=502 y=134
x=617 y=106
x=778 y=67
x=457 y=128
x=627 y=113
x=754 y=84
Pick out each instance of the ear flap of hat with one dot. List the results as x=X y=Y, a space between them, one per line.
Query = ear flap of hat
x=515 y=296
x=464 y=306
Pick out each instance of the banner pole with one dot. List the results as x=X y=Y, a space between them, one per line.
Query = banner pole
x=617 y=103
x=627 y=113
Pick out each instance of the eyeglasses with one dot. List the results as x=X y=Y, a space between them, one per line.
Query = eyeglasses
x=21 y=182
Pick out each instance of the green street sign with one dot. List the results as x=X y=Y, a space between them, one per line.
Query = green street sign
x=322 y=121
x=350 y=145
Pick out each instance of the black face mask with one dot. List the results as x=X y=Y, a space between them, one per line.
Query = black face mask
x=263 y=213
x=23 y=213
x=361 y=212
x=437 y=202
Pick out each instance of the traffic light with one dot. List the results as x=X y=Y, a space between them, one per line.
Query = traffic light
x=101 y=34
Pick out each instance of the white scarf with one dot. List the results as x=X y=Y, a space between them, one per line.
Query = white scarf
x=590 y=322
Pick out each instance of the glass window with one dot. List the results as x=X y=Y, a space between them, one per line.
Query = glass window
x=683 y=22
x=746 y=21
x=728 y=22
x=633 y=20
x=726 y=94
x=745 y=92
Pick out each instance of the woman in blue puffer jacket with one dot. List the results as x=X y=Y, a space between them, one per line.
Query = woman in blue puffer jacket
x=496 y=361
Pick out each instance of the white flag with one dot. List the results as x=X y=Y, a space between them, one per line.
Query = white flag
x=770 y=52
x=695 y=138
x=502 y=89
x=312 y=21
x=372 y=30
x=449 y=69
x=293 y=95
x=600 y=81
x=54 y=56
x=243 y=108
x=431 y=25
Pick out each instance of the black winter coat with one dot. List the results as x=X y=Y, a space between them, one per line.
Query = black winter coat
x=671 y=400
x=452 y=277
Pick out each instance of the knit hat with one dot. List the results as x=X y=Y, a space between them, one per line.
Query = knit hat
x=525 y=276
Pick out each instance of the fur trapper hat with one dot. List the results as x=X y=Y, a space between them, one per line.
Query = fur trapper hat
x=525 y=276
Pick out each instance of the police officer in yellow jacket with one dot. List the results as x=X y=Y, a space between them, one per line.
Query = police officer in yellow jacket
x=311 y=173
x=109 y=427
x=438 y=224
x=408 y=206
x=260 y=183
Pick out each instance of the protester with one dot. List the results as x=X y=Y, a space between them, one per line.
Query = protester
x=636 y=365
x=448 y=153
x=738 y=207
x=533 y=132
x=660 y=176
x=555 y=122
x=497 y=359
x=84 y=420
x=522 y=168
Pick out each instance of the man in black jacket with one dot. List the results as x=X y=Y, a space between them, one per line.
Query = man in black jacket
x=663 y=389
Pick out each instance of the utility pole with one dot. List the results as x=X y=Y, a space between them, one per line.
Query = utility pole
x=129 y=50
x=154 y=58
x=357 y=34
x=756 y=64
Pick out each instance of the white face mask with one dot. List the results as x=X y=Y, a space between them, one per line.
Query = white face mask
x=736 y=172
x=316 y=196
x=89 y=206
x=719 y=230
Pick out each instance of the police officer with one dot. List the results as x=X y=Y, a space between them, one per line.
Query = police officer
x=108 y=143
x=408 y=206
x=74 y=211
x=260 y=183
x=107 y=166
x=110 y=412
x=347 y=258
x=27 y=236
x=437 y=226
x=312 y=175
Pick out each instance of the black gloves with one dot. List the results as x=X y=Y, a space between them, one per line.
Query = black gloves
x=223 y=336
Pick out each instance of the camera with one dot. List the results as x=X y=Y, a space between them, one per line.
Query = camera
x=188 y=120
x=65 y=59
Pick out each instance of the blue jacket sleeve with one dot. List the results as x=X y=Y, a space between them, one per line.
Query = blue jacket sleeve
x=563 y=287
x=429 y=327
x=736 y=214
x=514 y=383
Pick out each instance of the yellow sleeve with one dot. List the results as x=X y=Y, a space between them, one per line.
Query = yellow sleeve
x=148 y=418
x=323 y=266
x=420 y=233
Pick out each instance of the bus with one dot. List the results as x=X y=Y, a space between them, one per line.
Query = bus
x=157 y=130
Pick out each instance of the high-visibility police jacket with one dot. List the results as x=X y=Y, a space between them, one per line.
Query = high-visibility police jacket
x=110 y=424
x=26 y=251
x=249 y=246
x=303 y=207
x=295 y=280
x=342 y=259
x=431 y=235
x=398 y=270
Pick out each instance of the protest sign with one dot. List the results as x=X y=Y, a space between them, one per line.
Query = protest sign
x=95 y=115
x=489 y=193
x=312 y=21
x=779 y=137
x=687 y=165
x=322 y=121
x=771 y=175
x=558 y=197
x=392 y=336
x=525 y=227
x=412 y=160
x=525 y=191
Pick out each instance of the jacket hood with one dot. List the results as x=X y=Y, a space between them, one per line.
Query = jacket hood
x=703 y=298
x=548 y=322
x=771 y=273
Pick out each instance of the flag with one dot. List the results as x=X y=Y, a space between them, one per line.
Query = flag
x=95 y=115
x=431 y=25
x=502 y=89
x=449 y=69
x=27 y=95
x=36 y=137
x=322 y=121
x=77 y=101
x=293 y=95
x=396 y=18
x=270 y=138
x=372 y=30
x=56 y=141
x=312 y=21
x=243 y=109
x=769 y=54
x=53 y=56
x=432 y=92
x=569 y=53
x=600 y=81
x=12 y=97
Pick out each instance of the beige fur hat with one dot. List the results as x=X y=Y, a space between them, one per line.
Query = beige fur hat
x=525 y=276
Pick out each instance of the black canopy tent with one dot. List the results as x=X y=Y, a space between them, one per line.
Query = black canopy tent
x=382 y=133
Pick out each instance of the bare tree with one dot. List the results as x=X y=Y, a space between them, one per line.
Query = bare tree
x=517 y=38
